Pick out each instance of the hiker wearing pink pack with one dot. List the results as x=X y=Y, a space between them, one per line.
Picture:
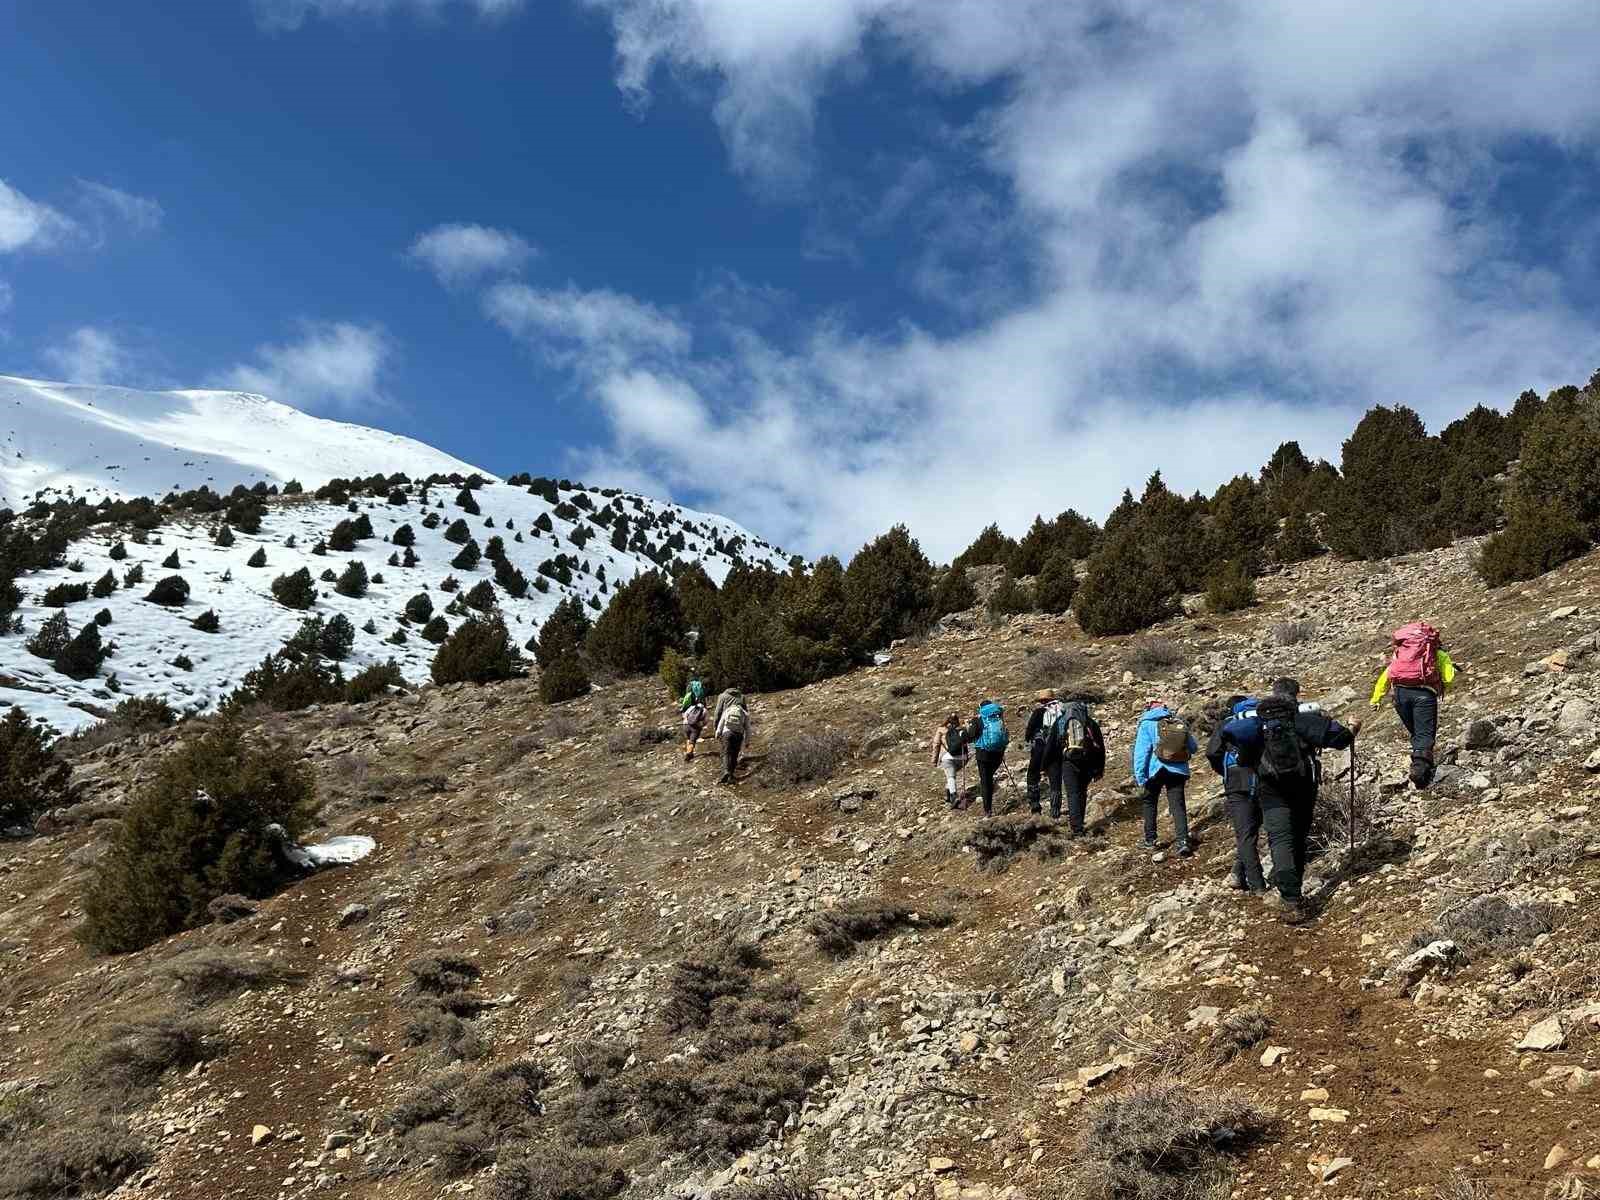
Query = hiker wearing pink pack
x=1419 y=672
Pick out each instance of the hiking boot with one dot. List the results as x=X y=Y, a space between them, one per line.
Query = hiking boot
x=1147 y=844
x=1185 y=850
x=688 y=756
x=1235 y=884
x=1295 y=912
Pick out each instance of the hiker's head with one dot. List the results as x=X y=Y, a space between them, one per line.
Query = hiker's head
x=1158 y=702
x=953 y=719
x=1286 y=687
x=1045 y=696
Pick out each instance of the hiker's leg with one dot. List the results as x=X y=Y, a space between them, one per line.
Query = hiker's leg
x=1278 y=820
x=731 y=745
x=1424 y=731
x=1303 y=810
x=1246 y=820
x=1178 y=806
x=1035 y=766
x=949 y=765
x=1075 y=782
x=986 y=769
x=1152 y=793
x=1055 y=771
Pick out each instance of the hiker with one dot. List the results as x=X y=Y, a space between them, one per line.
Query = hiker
x=694 y=727
x=1074 y=756
x=1281 y=745
x=1420 y=672
x=987 y=736
x=727 y=697
x=1243 y=728
x=950 y=754
x=1046 y=708
x=733 y=730
x=1161 y=752
x=694 y=694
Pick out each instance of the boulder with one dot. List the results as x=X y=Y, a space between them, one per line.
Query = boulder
x=1481 y=735
x=1546 y=1035
x=1411 y=969
x=1576 y=716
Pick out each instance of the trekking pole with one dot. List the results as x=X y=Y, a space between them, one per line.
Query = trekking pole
x=1352 y=796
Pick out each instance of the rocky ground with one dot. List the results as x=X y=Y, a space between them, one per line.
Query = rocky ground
x=1432 y=1032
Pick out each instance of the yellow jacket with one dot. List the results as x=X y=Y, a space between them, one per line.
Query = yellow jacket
x=1447 y=672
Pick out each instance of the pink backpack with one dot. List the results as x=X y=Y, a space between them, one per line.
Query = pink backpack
x=1414 y=661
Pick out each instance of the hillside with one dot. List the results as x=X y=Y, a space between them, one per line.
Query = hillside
x=543 y=875
x=62 y=439
x=109 y=441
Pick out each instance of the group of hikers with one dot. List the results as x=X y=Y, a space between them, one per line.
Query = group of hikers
x=1267 y=751
x=730 y=722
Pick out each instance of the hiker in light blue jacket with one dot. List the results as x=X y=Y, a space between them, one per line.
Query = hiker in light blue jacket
x=1161 y=752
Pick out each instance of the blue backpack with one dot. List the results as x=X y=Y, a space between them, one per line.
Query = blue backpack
x=994 y=737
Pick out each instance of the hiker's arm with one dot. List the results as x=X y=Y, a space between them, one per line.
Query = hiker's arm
x=1337 y=736
x=1141 y=751
x=1215 y=748
x=1035 y=724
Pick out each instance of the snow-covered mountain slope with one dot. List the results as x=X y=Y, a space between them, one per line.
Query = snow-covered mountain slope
x=251 y=439
x=96 y=441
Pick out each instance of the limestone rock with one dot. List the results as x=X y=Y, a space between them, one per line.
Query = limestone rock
x=1481 y=735
x=1131 y=936
x=1336 y=1116
x=1558 y=1155
x=1577 y=716
x=353 y=914
x=1411 y=969
x=941 y=1166
x=261 y=1135
x=1546 y=1035
x=1273 y=1055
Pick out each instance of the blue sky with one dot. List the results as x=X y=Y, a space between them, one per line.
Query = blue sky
x=819 y=264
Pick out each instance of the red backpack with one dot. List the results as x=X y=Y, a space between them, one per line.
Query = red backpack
x=1414 y=660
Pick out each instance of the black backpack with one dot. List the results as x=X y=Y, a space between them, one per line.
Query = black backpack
x=955 y=741
x=1283 y=753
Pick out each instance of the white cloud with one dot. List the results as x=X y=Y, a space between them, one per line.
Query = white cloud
x=574 y=326
x=90 y=355
x=288 y=15
x=29 y=225
x=336 y=365
x=458 y=253
x=1221 y=225
x=111 y=207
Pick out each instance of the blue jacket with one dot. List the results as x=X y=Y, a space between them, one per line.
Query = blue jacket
x=1145 y=762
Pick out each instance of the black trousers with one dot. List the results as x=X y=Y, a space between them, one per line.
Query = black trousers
x=1244 y=811
x=1073 y=778
x=1174 y=785
x=1036 y=767
x=732 y=744
x=1286 y=815
x=988 y=763
x=1419 y=713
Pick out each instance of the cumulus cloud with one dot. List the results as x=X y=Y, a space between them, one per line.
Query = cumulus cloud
x=582 y=328
x=458 y=253
x=30 y=225
x=1223 y=225
x=111 y=208
x=90 y=355
x=289 y=15
x=333 y=366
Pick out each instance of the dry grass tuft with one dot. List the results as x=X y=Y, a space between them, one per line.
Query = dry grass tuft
x=1163 y=1140
x=1154 y=658
x=561 y=1172
x=459 y=1120
x=208 y=974
x=837 y=931
x=135 y=1056
x=997 y=842
x=1238 y=1031
x=805 y=758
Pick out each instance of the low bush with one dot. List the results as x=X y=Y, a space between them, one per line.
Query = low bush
x=419 y=608
x=1539 y=538
x=995 y=843
x=295 y=590
x=480 y=596
x=373 y=682
x=1293 y=633
x=258 y=559
x=1230 y=588
x=207 y=622
x=561 y=1172
x=436 y=630
x=596 y=1062
x=32 y=777
x=63 y=594
x=196 y=831
x=1491 y=925
x=441 y=974
x=103 y=618
x=479 y=651
x=1163 y=1140
x=352 y=581
x=837 y=931
x=1238 y=1031
x=83 y=1155
x=1156 y=657
x=133 y=1057
x=105 y=585
x=171 y=591
x=1052 y=666
x=564 y=679
x=208 y=973
x=172 y=562
x=82 y=656
x=461 y=1120
x=51 y=638
x=809 y=757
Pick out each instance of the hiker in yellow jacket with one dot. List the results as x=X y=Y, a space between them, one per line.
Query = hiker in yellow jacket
x=1419 y=672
